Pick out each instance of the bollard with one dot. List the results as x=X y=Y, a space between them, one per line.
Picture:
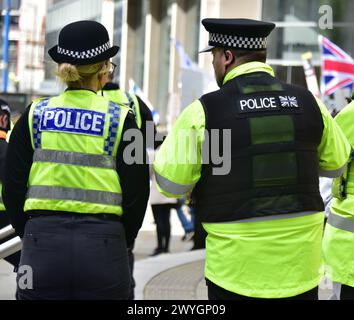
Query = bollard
x=6 y=231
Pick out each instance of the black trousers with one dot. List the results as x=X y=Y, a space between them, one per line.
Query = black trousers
x=14 y=259
x=162 y=214
x=73 y=256
x=217 y=293
x=199 y=234
x=346 y=292
x=131 y=261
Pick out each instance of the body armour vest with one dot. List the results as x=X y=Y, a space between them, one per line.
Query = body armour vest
x=275 y=131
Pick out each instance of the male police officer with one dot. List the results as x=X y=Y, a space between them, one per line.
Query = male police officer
x=263 y=213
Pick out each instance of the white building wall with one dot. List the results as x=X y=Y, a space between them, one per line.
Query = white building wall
x=30 y=67
x=69 y=11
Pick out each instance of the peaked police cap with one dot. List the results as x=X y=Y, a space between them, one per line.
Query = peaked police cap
x=244 y=34
x=81 y=43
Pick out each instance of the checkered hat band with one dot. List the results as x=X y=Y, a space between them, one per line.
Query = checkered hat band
x=237 y=42
x=85 y=54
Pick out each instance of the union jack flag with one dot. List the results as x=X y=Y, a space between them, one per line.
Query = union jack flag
x=288 y=101
x=337 y=67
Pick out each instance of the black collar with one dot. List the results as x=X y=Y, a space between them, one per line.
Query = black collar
x=111 y=86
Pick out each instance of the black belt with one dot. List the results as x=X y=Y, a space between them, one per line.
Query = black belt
x=100 y=216
x=107 y=216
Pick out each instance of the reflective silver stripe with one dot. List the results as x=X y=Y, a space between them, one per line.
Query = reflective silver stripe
x=331 y=173
x=172 y=187
x=74 y=158
x=61 y=193
x=340 y=222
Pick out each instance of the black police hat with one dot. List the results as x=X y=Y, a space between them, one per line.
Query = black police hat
x=83 y=42
x=245 y=34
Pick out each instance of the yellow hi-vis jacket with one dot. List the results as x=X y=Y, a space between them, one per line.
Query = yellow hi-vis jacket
x=75 y=137
x=265 y=258
x=338 y=240
x=124 y=99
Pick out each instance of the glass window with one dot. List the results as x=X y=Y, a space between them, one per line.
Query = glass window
x=117 y=35
x=138 y=24
x=192 y=10
x=297 y=32
x=14 y=4
x=49 y=65
x=276 y=10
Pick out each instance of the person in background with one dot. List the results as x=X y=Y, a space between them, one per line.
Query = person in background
x=5 y=126
x=161 y=209
x=187 y=223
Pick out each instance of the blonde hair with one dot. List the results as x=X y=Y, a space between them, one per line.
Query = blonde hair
x=70 y=73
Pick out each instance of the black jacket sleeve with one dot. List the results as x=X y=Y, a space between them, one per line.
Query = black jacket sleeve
x=3 y=151
x=17 y=167
x=135 y=183
x=146 y=117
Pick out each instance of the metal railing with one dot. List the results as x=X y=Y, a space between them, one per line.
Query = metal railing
x=6 y=231
x=11 y=246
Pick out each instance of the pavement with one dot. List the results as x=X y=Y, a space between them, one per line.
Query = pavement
x=177 y=275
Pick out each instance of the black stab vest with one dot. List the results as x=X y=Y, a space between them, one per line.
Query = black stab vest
x=275 y=131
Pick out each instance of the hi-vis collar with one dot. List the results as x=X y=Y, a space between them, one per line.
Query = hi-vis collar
x=248 y=67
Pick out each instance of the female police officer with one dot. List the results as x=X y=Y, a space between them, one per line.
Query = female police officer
x=66 y=186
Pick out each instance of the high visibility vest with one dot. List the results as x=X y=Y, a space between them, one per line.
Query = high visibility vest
x=338 y=240
x=75 y=137
x=2 y=207
x=126 y=99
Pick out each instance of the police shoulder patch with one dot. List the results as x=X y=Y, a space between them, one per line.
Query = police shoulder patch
x=267 y=103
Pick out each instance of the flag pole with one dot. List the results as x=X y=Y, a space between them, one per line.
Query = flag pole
x=310 y=74
x=6 y=46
